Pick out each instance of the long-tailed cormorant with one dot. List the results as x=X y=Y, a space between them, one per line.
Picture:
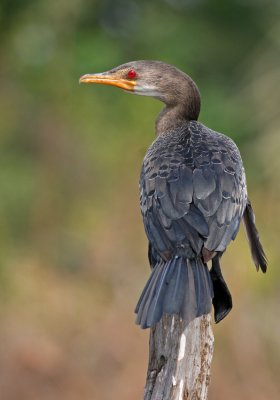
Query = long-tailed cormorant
x=193 y=197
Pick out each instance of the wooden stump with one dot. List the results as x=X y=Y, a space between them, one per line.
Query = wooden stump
x=180 y=359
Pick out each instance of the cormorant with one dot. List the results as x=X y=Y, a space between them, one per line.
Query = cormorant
x=193 y=197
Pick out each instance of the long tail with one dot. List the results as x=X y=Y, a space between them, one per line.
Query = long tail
x=180 y=286
x=257 y=251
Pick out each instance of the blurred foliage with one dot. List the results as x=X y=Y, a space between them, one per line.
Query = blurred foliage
x=70 y=158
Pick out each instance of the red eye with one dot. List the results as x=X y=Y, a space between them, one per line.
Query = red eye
x=131 y=74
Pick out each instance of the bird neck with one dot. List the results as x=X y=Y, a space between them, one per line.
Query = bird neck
x=169 y=118
x=183 y=106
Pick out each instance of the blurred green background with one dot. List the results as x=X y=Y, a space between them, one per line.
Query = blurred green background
x=73 y=250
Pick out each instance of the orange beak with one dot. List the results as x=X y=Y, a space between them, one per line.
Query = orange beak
x=107 y=79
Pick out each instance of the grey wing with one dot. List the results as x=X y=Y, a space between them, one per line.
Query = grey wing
x=224 y=206
x=187 y=206
x=220 y=191
x=171 y=220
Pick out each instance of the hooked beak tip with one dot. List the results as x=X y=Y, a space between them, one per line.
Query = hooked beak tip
x=84 y=78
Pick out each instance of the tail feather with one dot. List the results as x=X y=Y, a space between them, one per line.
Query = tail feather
x=174 y=287
x=154 y=309
x=222 y=300
x=204 y=283
x=190 y=306
x=147 y=295
x=180 y=286
x=257 y=250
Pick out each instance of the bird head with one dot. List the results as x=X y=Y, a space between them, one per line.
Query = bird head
x=148 y=78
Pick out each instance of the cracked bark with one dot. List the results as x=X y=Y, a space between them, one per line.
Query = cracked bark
x=180 y=359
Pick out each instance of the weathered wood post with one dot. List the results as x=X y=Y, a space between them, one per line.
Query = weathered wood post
x=179 y=360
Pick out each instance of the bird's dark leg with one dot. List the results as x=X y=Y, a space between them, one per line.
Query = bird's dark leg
x=222 y=300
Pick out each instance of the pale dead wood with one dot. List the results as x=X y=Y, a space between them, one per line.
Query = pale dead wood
x=180 y=359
